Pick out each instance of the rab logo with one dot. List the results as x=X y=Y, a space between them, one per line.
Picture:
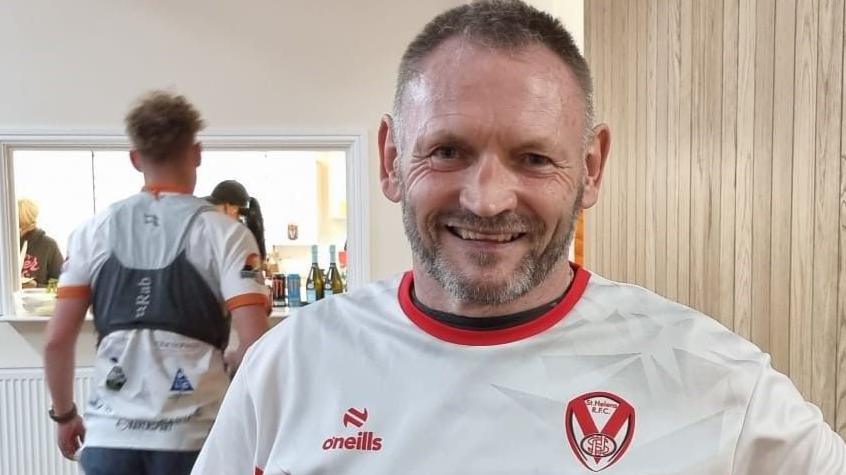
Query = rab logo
x=361 y=441
x=598 y=449
x=142 y=299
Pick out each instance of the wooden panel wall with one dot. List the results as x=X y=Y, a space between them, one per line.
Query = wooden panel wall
x=726 y=185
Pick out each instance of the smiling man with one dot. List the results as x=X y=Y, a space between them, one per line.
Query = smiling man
x=494 y=354
x=489 y=195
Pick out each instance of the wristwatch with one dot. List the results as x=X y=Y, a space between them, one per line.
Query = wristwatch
x=62 y=418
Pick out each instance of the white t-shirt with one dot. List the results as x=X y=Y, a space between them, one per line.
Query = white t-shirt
x=613 y=379
x=162 y=272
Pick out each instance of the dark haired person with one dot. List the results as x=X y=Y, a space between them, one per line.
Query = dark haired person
x=163 y=273
x=231 y=198
x=494 y=355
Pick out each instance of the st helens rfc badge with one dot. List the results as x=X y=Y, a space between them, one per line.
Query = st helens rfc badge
x=600 y=427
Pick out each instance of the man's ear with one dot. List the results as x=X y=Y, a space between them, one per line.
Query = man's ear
x=388 y=161
x=135 y=158
x=596 y=154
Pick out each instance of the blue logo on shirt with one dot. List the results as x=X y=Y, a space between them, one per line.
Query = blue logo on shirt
x=181 y=382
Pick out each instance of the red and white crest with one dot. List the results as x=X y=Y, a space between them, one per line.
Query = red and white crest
x=600 y=427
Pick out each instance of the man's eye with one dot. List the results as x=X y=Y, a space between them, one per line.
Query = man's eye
x=535 y=160
x=445 y=153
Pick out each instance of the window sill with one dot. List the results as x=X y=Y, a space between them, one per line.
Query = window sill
x=279 y=313
x=31 y=319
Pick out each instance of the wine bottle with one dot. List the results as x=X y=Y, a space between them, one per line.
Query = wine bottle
x=327 y=283
x=314 y=282
x=334 y=284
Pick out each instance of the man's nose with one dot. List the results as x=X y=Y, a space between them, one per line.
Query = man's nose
x=490 y=187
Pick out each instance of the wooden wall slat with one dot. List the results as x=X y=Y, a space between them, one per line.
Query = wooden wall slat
x=802 y=210
x=639 y=155
x=601 y=95
x=651 y=150
x=590 y=40
x=840 y=409
x=826 y=204
x=673 y=145
x=699 y=161
x=615 y=189
x=743 y=171
x=599 y=213
x=684 y=156
x=628 y=205
x=705 y=156
x=762 y=171
x=611 y=219
x=785 y=30
x=711 y=150
x=614 y=161
x=662 y=139
x=728 y=164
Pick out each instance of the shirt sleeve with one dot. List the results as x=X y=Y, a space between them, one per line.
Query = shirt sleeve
x=784 y=434
x=75 y=277
x=242 y=278
x=230 y=448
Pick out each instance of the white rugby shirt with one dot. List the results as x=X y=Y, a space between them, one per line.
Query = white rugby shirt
x=614 y=379
x=162 y=271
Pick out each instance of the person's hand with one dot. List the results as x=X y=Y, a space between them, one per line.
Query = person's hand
x=71 y=435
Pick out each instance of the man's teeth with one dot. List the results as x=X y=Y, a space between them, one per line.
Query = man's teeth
x=470 y=235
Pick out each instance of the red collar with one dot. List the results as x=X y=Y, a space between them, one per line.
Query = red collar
x=492 y=337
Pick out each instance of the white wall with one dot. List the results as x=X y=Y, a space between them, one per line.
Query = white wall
x=261 y=66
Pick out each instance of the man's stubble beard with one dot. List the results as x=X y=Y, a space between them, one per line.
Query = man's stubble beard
x=533 y=269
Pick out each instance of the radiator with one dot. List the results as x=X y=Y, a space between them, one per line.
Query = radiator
x=27 y=435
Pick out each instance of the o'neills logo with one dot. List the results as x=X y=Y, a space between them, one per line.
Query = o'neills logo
x=361 y=441
x=600 y=427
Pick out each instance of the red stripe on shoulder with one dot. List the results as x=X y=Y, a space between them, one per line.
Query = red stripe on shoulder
x=246 y=299
x=73 y=292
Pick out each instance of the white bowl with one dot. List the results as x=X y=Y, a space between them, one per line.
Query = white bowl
x=37 y=302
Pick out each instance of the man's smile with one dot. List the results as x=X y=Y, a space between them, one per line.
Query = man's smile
x=468 y=234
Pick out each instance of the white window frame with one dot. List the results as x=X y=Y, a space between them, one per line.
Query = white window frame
x=353 y=144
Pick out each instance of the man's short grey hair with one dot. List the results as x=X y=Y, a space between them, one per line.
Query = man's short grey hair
x=496 y=24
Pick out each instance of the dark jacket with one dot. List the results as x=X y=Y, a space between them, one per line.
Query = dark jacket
x=43 y=260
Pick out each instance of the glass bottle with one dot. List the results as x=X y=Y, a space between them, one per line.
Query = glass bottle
x=314 y=282
x=334 y=284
